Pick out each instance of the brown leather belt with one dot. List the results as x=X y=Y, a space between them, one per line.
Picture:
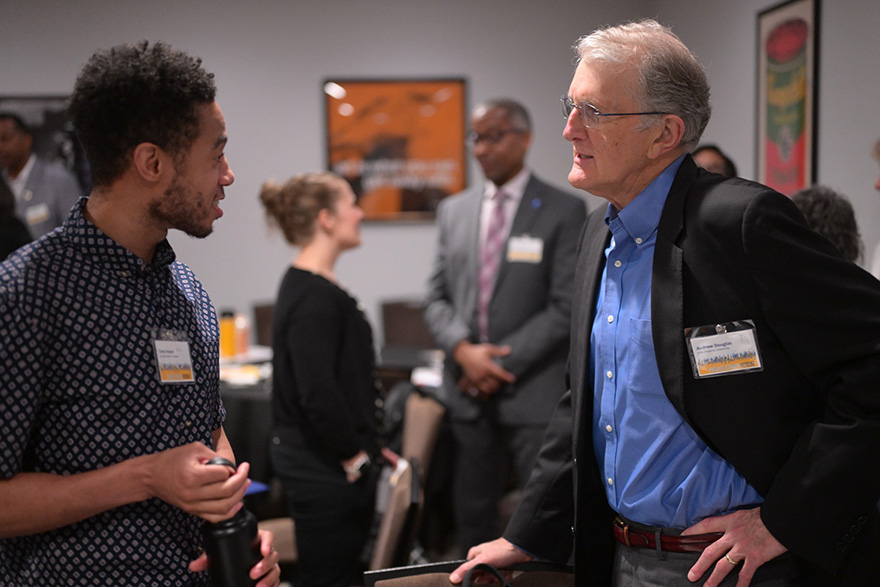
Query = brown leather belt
x=633 y=538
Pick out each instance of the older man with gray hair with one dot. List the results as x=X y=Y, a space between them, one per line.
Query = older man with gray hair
x=723 y=411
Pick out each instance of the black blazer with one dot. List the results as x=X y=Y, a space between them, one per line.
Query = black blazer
x=804 y=432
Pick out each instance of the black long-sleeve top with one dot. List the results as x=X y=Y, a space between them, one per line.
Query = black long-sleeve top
x=324 y=383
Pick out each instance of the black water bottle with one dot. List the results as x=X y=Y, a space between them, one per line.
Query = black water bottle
x=232 y=546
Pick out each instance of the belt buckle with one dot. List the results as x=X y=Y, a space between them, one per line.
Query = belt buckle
x=625 y=527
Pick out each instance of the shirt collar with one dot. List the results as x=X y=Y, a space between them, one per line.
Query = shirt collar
x=641 y=217
x=514 y=188
x=17 y=184
x=92 y=241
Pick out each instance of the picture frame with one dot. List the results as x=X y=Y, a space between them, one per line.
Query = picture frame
x=54 y=139
x=399 y=142
x=787 y=76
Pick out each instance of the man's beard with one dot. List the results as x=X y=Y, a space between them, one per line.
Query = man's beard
x=182 y=211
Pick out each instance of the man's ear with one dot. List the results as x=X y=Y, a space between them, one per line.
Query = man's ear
x=668 y=136
x=149 y=162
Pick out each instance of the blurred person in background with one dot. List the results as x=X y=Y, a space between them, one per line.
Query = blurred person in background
x=44 y=192
x=711 y=158
x=13 y=233
x=327 y=410
x=831 y=215
x=875 y=263
x=498 y=305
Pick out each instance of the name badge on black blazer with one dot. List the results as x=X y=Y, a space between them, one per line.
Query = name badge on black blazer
x=525 y=249
x=728 y=348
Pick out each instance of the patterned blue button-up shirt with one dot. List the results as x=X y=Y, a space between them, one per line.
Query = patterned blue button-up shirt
x=80 y=390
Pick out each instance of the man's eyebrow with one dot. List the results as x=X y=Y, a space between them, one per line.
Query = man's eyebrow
x=221 y=140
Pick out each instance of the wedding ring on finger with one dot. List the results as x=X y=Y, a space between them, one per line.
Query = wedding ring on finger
x=730 y=560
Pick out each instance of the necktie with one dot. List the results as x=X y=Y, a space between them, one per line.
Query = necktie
x=490 y=258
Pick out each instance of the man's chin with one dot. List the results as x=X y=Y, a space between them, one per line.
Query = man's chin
x=576 y=178
x=198 y=231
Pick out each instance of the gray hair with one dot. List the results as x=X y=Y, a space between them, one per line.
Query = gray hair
x=516 y=112
x=669 y=78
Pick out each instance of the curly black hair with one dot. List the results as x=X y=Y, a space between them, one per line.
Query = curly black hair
x=831 y=215
x=132 y=94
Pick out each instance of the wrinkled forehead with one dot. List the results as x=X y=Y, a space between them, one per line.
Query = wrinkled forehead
x=602 y=84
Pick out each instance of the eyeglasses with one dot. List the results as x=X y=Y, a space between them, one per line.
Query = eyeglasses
x=492 y=138
x=590 y=115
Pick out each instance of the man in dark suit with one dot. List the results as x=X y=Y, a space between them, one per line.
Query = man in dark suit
x=499 y=305
x=723 y=418
x=44 y=192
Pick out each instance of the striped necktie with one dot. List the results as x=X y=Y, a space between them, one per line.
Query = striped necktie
x=490 y=258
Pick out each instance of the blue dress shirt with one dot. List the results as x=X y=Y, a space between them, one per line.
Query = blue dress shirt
x=657 y=471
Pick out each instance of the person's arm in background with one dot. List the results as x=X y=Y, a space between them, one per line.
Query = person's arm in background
x=441 y=317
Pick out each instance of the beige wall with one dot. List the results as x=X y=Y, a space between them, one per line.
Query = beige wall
x=270 y=57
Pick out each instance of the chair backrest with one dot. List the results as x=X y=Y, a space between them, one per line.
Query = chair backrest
x=403 y=325
x=421 y=425
x=285 y=538
x=543 y=579
x=263 y=323
x=397 y=529
x=532 y=574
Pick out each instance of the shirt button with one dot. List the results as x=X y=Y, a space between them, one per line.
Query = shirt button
x=610 y=319
x=638 y=241
x=610 y=481
x=608 y=374
x=608 y=428
x=617 y=263
x=188 y=423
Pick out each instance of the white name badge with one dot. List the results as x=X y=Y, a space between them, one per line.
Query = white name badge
x=525 y=249
x=174 y=361
x=36 y=214
x=723 y=349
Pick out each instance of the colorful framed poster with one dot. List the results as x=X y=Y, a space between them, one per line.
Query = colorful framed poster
x=787 y=89
x=400 y=143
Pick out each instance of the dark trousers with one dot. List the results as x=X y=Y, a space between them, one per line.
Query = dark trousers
x=481 y=454
x=332 y=517
x=644 y=567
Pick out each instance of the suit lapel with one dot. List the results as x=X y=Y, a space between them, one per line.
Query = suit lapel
x=470 y=235
x=588 y=273
x=529 y=207
x=667 y=295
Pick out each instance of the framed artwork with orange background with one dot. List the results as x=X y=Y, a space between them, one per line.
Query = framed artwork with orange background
x=400 y=143
x=787 y=90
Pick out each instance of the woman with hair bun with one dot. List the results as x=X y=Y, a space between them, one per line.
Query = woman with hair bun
x=326 y=440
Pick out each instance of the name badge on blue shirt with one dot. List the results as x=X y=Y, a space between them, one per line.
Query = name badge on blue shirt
x=723 y=349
